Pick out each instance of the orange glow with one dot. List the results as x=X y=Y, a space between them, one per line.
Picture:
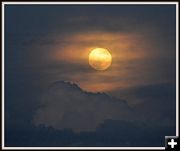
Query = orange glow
x=78 y=46
x=99 y=87
x=124 y=51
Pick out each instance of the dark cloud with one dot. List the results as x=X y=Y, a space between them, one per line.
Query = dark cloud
x=111 y=133
x=99 y=119
x=156 y=103
x=79 y=110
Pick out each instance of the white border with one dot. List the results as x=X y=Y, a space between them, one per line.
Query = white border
x=177 y=69
x=87 y=3
x=3 y=73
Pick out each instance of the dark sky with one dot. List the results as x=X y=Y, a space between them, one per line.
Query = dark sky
x=46 y=51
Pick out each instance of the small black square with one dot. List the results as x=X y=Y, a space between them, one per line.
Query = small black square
x=171 y=143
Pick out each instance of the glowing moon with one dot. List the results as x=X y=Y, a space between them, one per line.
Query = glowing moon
x=100 y=59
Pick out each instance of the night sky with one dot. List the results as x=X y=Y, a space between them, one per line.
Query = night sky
x=53 y=97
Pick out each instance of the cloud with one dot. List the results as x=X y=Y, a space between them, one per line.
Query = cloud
x=65 y=105
x=119 y=130
x=110 y=133
x=156 y=103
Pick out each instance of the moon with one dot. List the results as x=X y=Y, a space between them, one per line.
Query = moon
x=100 y=59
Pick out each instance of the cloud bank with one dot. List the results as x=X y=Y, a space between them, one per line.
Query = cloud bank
x=66 y=106
x=99 y=119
